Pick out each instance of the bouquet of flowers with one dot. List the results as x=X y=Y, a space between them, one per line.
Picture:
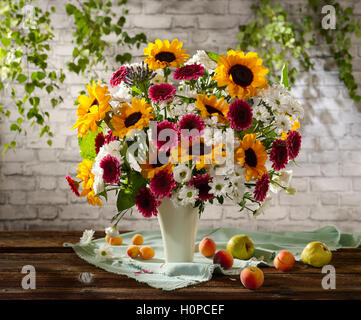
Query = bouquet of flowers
x=192 y=129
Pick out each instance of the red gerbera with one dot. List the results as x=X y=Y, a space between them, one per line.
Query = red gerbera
x=99 y=142
x=279 y=154
x=191 y=126
x=162 y=184
x=262 y=186
x=111 y=169
x=240 y=114
x=161 y=92
x=293 y=144
x=146 y=202
x=74 y=185
x=167 y=133
x=191 y=71
x=118 y=76
x=201 y=182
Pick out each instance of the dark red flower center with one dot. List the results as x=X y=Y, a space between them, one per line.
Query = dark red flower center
x=165 y=56
x=132 y=119
x=241 y=75
x=212 y=110
x=251 y=158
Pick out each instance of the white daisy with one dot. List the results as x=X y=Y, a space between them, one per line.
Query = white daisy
x=182 y=173
x=188 y=195
x=277 y=97
x=113 y=148
x=238 y=188
x=98 y=184
x=104 y=252
x=261 y=113
x=87 y=237
x=282 y=123
x=219 y=186
x=159 y=77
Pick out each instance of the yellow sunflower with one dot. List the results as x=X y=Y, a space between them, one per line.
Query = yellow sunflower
x=87 y=178
x=197 y=151
x=130 y=118
x=163 y=54
x=92 y=108
x=253 y=156
x=241 y=73
x=210 y=106
x=150 y=168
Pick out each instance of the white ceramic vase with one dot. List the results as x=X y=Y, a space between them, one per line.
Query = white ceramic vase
x=178 y=226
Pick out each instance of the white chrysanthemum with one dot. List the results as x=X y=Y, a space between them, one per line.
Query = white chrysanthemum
x=202 y=58
x=261 y=113
x=219 y=186
x=113 y=148
x=104 y=251
x=188 y=195
x=238 y=188
x=283 y=180
x=122 y=93
x=98 y=185
x=182 y=173
x=87 y=237
x=277 y=97
x=112 y=232
x=282 y=123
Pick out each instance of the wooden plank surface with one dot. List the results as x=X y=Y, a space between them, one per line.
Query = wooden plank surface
x=58 y=268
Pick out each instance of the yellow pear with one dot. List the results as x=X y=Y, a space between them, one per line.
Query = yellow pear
x=316 y=254
x=241 y=247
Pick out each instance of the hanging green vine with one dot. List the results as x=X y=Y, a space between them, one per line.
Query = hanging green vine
x=279 y=40
x=25 y=36
x=276 y=39
x=25 y=42
x=94 y=19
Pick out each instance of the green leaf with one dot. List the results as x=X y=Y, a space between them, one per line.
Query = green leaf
x=6 y=41
x=214 y=56
x=284 y=77
x=29 y=88
x=125 y=200
x=21 y=78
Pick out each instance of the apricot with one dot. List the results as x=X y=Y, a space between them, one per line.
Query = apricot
x=146 y=253
x=114 y=241
x=133 y=251
x=138 y=239
x=284 y=260
x=252 y=277
x=224 y=258
x=207 y=247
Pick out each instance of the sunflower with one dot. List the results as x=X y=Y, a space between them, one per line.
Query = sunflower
x=163 y=54
x=197 y=151
x=136 y=116
x=252 y=155
x=150 y=168
x=92 y=108
x=87 y=178
x=241 y=73
x=210 y=107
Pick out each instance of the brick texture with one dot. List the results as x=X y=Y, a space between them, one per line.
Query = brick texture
x=35 y=195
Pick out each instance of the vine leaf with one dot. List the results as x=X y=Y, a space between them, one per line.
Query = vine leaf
x=284 y=77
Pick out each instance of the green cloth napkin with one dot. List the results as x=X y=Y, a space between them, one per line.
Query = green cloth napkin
x=156 y=273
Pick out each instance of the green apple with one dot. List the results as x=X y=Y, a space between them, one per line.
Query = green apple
x=241 y=247
x=316 y=254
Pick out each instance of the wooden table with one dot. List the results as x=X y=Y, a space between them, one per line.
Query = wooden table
x=57 y=270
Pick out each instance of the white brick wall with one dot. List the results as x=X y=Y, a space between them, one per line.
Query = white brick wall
x=35 y=195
